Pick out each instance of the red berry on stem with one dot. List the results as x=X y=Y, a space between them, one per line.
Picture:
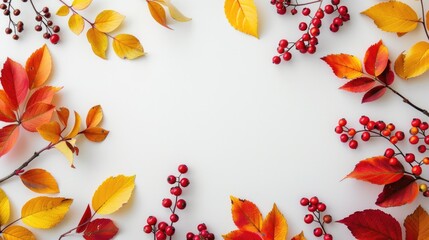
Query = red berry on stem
x=55 y=38
x=314 y=200
x=410 y=157
x=283 y=43
x=344 y=138
x=184 y=182
x=189 y=236
x=414 y=140
x=335 y=2
x=147 y=228
x=400 y=135
x=353 y=144
x=287 y=56
x=304 y=201
x=365 y=136
x=181 y=204
x=276 y=60
x=327 y=219
x=151 y=220
x=321 y=207
x=320 y=14
x=389 y=152
x=364 y=120
x=166 y=202
x=174 y=217
x=327 y=237
x=306 y=11
x=160 y=235
x=302 y=26
x=334 y=28
x=171 y=179
x=424 y=126
x=182 y=168
x=318 y=232
x=342 y=122
x=416 y=122
x=343 y=10
x=169 y=231
x=422 y=148
x=280 y=49
x=309 y=218
x=417 y=170
x=201 y=227
x=314 y=31
x=329 y=9
x=162 y=226
x=176 y=191
x=393 y=161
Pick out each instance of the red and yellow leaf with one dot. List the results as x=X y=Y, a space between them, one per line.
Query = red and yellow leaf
x=15 y=82
x=242 y=235
x=374 y=94
x=127 y=46
x=108 y=20
x=42 y=95
x=94 y=117
x=417 y=225
x=100 y=229
x=39 y=67
x=99 y=42
x=6 y=113
x=63 y=115
x=8 y=136
x=84 y=221
x=158 y=13
x=76 y=23
x=299 y=236
x=373 y=224
x=16 y=232
x=344 y=65
x=398 y=193
x=376 y=59
x=361 y=84
x=246 y=215
x=95 y=134
x=51 y=131
x=274 y=226
x=39 y=181
x=242 y=15
x=37 y=115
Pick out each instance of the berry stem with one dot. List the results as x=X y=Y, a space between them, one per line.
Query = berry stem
x=43 y=17
x=319 y=221
x=307 y=3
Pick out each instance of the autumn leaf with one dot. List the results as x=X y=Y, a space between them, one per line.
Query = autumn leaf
x=37 y=115
x=158 y=13
x=95 y=134
x=399 y=66
x=42 y=95
x=241 y=235
x=81 y=4
x=361 y=84
x=51 y=132
x=242 y=15
x=398 y=193
x=393 y=16
x=18 y=233
x=374 y=94
x=112 y=194
x=45 y=212
x=94 y=116
x=246 y=215
x=376 y=59
x=299 y=236
x=427 y=20
x=127 y=46
x=108 y=20
x=76 y=126
x=100 y=229
x=377 y=170
x=63 y=11
x=274 y=226
x=6 y=113
x=414 y=62
x=4 y=208
x=63 y=115
x=387 y=76
x=39 y=67
x=64 y=148
x=344 y=65
x=39 y=181
x=99 y=42
x=417 y=225
x=373 y=224
x=8 y=136
x=76 y=23
x=15 y=82
x=84 y=221
x=175 y=13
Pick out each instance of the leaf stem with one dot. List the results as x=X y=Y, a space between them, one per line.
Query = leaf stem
x=423 y=19
x=73 y=229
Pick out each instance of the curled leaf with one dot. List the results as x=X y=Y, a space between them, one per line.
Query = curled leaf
x=76 y=23
x=175 y=13
x=127 y=46
x=398 y=193
x=417 y=225
x=45 y=212
x=108 y=20
x=344 y=65
x=4 y=208
x=18 y=233
x=242 y=15
x=98 y=41
x=414 y=62
x=95 y=134
x=246 y=215
x=66 y=150
x=39 y=67
x=100 y=228
x=158 y=13
x=76 y=126
x=39 y=181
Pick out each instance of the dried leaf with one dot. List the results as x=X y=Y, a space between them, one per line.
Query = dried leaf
x=393 y=16
x=299 y=236
x=98 y=41
x=100 y=229
x=39 y=181
x=374 y=94
x=76 y=126
x=84 y=221
x=15 y=82
x=63 y=115
x=344 y=65
x=4 y=208
x=175 y=13
x=37 y=115
x=274 y=226
x=158 y=13
x=242 y=15
x=108 y=20
x=64 y=148
x=373 y=224
x=416 y=60
x=376 y=59
x=18 y=233
x=76 y=23
x=241 y=235
x=94 y=117
x=361 y=84
x=6 y=113
x=63 y=11
x=377 y=170
x=42 y=95
x=246 y=215
x=417 y=225
x=127 y=46
x=398 y=193
x=39 y=67
x=8 y=136
x=81 y=4
x=45 y=212
x=95 y=134
x=112 y=194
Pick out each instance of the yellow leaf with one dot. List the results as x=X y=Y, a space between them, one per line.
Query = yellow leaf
x=158 y=13
x=18 y=233
x=94 y=117
x=95 y=134
x=76 y=127
x=51 y=132
x=81 y=4
x=4 y=208
x=399 y=66
x=108 y=20
x=39 y=181
x=175 y=13
x=242 y=15
x=416 y=60
x=112 y=194
x=64 y=148
x=393 y=16
x=76 y=23
x=63 y=11
x=38 y=67
x=299 y=236
x=45 y=212
x=127 y=46
x=98 y=41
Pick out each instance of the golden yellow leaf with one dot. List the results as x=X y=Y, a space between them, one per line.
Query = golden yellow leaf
x=175 y=13
x=98 y=41
x=158 y=13
x=112 y=194
x=393 y=16
x=242 y=15
x=51 y=132
x=399 y=66
x=299 y=236
x=38 y=67
x=81 y=4
x=63 y=11
x=274 y=226
x=4 y=208
x=127 y=46
x=76 y=23
x=108 y=20
x=94 y=117
x=95 y=134
x=39 y=181
x=76 y=127
x=18 y=233
x=64 y=148
x=45 y=212
x=416 y=60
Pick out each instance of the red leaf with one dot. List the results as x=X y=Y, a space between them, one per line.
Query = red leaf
x=377 y=170
x=37 y=115
x=42 y=95
x=8 y=136
x=15 y=82
x=6 y=113
x=387 y=76
x=361 y=84
x=246 y=215
x=373 y=224
x=376 y=59
x=100 y=229
x=84 y=221
x=417 y=225
x=241 y=235
x=398 y=193
x=374 y=94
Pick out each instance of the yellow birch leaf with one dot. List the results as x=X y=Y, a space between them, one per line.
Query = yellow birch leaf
x=108 y=20
x=175 y=13
x=4 y=208
x=76 y=23
x=299 y=236
x=64 y=148
x=416 y=60
x=95 y=134
x=18 y=233
x=76 y=127
x=38 y=67
x=39 y=181
x=112 y=194
x=94 y=117
x=393 y=16
x=127 y=46
x=158 y=13
x=51 y=132
x=81 y=4
x=45 y=212
x=399 y=66
x=98 y=41
x=63 y=11
x=242 y=15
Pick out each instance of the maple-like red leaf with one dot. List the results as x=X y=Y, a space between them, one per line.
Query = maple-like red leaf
x=6 y=113
x=15 y=82
x=8 y=136
x=377 y=170
x=37 y=115
x=387 y=76
x=246 y=215
x=373 y=224
x=241 y=235
x=100 y=229
x=417 y=225
x=374 y=94
x=401 y=192
x=84 y=221
x=376 y=59
x=361 y=84
x=42 y=95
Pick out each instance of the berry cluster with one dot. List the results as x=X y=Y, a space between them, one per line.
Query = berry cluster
x=316 y=208
x=311 y=29
x=203 y=233
x=43 y=21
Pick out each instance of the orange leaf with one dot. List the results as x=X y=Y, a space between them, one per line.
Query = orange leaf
x=6 y=114
x=42 y=95
x=417 y=225
x=361 y=84
x=344 y=65
x=63 y=116
x=299 y=236
x=76 y=127
x=274 y=226
x=95 y=134
x=14 y=80
x=38 y=67
x=39 y=181
x=50 y=131
x=8 y=136
x=246 y=215
x=241 y=235
x=94 y=117
x=376 y=59
x=158 y=13
x=401 y=192
x=37 y=115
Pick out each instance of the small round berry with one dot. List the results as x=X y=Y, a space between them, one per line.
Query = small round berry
x=151 y=220
x=169 y=231
x=393 y=161
x=319 y=14
x=312 y=208
x=391 y=126
x=15 y=37
x=174 y=217
x=339 y=129
x=423 y=187
x=316 y=22
x=184 y=182
x=171 y=179
x=364 y=120
x=281 y=11
x=16 y=12
x=305 y=37
x=166 y=202
x=400 y=135
x=426 y=194
x=8 y=30
x=162 y=226
x=283 y=43
x=389 y=152
x=334 y=28
x=306 y=11
x=280 y=49
x=54 y=38
x=160 y=235
x=46 y=35
x=321 y=207
x=416 y=122
x=38 y=28
x=311 y=49
x=380 y=125
x=318 y=232
x=3 y=6
x=338 y=21
x=201 y=227
x=365 y=136
x=414 y=140
x=344 y=138
x=425 y=161
x=45 y=10
x=417 y=170
x=342 y=122
x=181 y=204
x=176 y=191
x=314 y=41
x=147 y=228
x=353 y=144
x=314 y=31
x=182 y=168
x=327 y=219
x=309 y=218
x=351 y=132
x=329 y=9
x=196 y=237
x=300 y=45
x=287 y=56
x=386 y=132
x=204 y=233
x=343 y=10
x=302 y=26
x=424 y=126
x=345 y=17
x=327 y=237
x=414 y=131
x=335 y=2
x=38 y=18
x=189 y=236
x=56 y=28
x=6 y=12
x=276 y=60
x=294 y=11
x=426 y=139
x=304 y=201
x=211 y=236
x=394 y=139
x=410 y=157
x=422 y=148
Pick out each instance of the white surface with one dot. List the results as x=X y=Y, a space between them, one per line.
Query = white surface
x=209 y=96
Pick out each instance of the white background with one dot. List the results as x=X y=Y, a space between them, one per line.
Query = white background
x=209 y=96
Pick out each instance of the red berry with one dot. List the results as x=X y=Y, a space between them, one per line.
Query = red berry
x=302 y=26
x=353 y=144
x=416 y=170
x=306 y=11
x=425 y=160
x=287 y=56
x=309 y=218
x=342 y=122
x=276 y=60
x=314 y=31
x=318 y=232
x=311 y=49
x=196 y=237
x=147 y=228
x=364 y=120
x=181 y=204
x=338 y=21
x=189 y=236
x=400 y=135
x=426 y=193
x=160 y=235
x=334 y=28
x=300 y=45
x=344 y=138
x=312 y=208
x=414 y=139
x=319 y=14
x=327 y=219
x=389 y=152
x=174 y=217
x=329 y=9
x=424 y=126
x=393 y=161
x=335 y=2
x=365 y=136
x=280 y=49
x=294 y=11
x=316 y=22
x=171 y=179
x=380 y=125
x=416 y=122
x=314 y=200
x=426 y=139
x=176 y=191
x=151 y=220
x=314 y=41
x=162 y=226
x=281 y=11
x=321 y=207
x=327 y=237
x=351 y=132
x=305 y=37
x=343 y=10
x=55 y=38
x=422 y=148
x=166 y=202
x=345 y=17
x=204 y=233
x=201 y=227
x=304 y=201
x=410 y=157
x=170 y=230
x=283 y=43
x=182 y=168
x=184 y=182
